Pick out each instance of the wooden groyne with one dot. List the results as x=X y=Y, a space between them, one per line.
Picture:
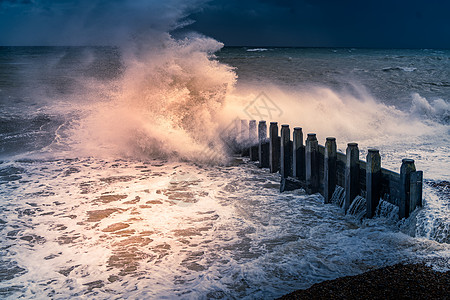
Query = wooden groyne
x=324 y=170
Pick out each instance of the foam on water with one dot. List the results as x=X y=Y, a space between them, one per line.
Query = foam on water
x=91 y=227
x=257 y=50
x=433 y=222
x=437 y=110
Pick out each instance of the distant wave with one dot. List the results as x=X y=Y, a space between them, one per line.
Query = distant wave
x=438 y=109
x=406 y=69
x=257 y=50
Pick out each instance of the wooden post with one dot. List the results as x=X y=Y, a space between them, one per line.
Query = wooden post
x=312 y=163
x=329 y=180
x=373 y=181
x=263 y=145
x=416 y=186
x=351 y=174
x=298 y=154
x=274 y=147
x=244 y=138
x=285 y=156
x=252 y=140
x=252 y=132
x=405 y=187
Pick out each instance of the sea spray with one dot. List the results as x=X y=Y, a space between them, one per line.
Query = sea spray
x=170 y=102
x=433 y=220
x=437 y=110
x=348 y=116
x=160 y=97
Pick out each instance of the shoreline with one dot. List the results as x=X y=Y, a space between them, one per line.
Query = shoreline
x=399 y=281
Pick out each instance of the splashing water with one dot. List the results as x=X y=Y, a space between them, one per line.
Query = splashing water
x=169 y=104
x=338 y=196
x=387 y=210
x=434 y=222
x=438 y=110
x=358 y=208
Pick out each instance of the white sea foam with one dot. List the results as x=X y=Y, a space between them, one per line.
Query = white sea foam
x=433 y=222
x=257 y=50
x=406 y=69
x=162 y=229
x=437 y=109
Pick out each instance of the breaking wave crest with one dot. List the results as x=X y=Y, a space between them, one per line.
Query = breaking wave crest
x=437 y=110
x=169 y=101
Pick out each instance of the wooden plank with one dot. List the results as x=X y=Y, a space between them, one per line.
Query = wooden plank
x=389 y=184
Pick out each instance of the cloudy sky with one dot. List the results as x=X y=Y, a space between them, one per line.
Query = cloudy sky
x=307 y=23
x=332 y=23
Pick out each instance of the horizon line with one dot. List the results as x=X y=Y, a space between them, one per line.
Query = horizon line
x=256 y=47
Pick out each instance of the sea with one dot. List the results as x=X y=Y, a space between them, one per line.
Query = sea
x=115 y=181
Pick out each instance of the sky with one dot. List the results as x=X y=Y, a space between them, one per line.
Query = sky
x=327 y=23
x=303 y=23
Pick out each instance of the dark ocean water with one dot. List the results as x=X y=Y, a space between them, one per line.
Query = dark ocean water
x=96 y=201
x=392 y=76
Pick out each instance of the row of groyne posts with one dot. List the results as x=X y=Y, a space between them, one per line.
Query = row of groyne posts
x=324 y=170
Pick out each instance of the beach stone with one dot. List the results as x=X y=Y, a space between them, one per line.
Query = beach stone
x=410 y=281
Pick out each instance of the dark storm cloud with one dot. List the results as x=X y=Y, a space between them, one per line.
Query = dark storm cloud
x=347 y=23
x=70 y=22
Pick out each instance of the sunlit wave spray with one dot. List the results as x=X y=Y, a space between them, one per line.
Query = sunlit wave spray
x=169 y=99
x=169 y=103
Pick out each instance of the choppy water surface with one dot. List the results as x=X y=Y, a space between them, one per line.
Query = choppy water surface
x=85 y=212
x=165 y=229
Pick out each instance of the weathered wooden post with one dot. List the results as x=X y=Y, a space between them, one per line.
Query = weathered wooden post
x=416 y=190
x=351 y=174
x=252 y=140
x=404 y=205
x=286 y=155
x=274 y=147
x=373 y=181
x=263 y=145
x=298 y=154
x=312 y=163
x=329 y=181
x=244 y=138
